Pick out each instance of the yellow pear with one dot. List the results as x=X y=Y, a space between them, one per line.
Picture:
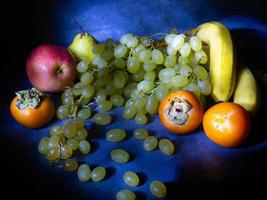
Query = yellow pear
x=221 y=59
x=81 y=47
x=246 y=92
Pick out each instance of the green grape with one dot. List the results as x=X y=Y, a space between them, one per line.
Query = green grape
x=66 y=151
x=119 y=79
x=62 y=112
x=183 y=60
x=43 y=145
x=145 y=86
x=84 y=101
x=176 y=67
x=78 y=122
x=170 y=61
x=158 y=189
x=169 y=38
x=185 y=50
x=73 y=143
x=56 y=130
x=110 y=89
x=140 y=119
x=102 y=119
x=98 y=174
x=178 y=41
x=166 y=146
x=65 y=94
x=98 y=84
x=195 y=43
x=110 y=43
x=102 y=72
x=131 y=178
x=125 y=38
x=136 y=93
x=171 y=51
x=115 y=135
x=150 y=143
x=117 y=100
x=200 y=72
x=84 y=113
x=99 y=62
x=140 y=133
x=53 y=154
x=139 y=48
x=54 y=141
x=179 y=81
x=133 y=65
x=125 y=74
x=193 y=88
x=201 y=57
x=88 y=91
x=204 y=86
x=120 y=51
x=70 y=129
x=152 y=104
x=130 y=102
x=82 y=66
x=84 y=146
x=139 y=75
x=129 y=112
x=81 y=134
x=128 y=89
x=107 y=55
x=84 y=173
x=68 y=100
x=70 y=165
x=104 y=105
x=165 y=75
x=132 y=42
x=144 y=55
x=150 y=76
x=185 y=70
x=98 y=49
x=157 y=56
x=149 y=66
x=87 y=78
x=192 y=60
x=100 y=95
x=119 y=155
x=125 y=195
x=140 y=102
x=77 y=86
x=161 y=91
x=120 y=63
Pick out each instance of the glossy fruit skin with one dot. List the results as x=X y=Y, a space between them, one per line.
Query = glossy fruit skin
x=50 y=68
x=33 y=117
x=227 y=124
x=195 y=114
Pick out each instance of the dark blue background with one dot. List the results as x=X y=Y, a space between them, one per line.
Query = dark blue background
x=198 y=169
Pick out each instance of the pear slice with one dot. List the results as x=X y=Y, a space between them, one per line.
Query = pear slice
x=246 y=92
x=81 y=47
x=222 y=61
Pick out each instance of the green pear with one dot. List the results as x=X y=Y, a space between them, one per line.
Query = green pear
x=81 y=47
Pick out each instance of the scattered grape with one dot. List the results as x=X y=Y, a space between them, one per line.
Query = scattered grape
x=140 y=134
x=84 y=173
x=102 y=119
x=119 y=156
x=98 y=174
x=70 y=165
x=158 y=189
x=125 y=195
x=131 y=178
x=115 y=135
x=166 y=146
x=150 y=143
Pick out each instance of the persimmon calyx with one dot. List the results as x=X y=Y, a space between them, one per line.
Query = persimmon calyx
x=29 y=98
x=178 y=111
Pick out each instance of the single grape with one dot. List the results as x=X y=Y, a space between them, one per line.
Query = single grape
x=87 y=78
x=144 y=55
x=145 y=86
x=150 y=76
x=161 y=91
x=131 y=102
x=140 y=102
x=56 y=130
x=178 y=41
x=81 y=134
x=179 y=81
x=165 y=75
x=185 y=50
x=125 y=38
x=166 y=146
x=200 y=72
x=98 y=84
x=98 y=49
x=104 y=105
x=84 y=173
x=70 y=165
x=205 y=87
x=107 y=55
x=157 y=56
x=84 y=113
x=120 y=51
x=201 y=57
x=140 y=119
x=185 y=70
x=63 y=112
x=152 y=104
x=193 y=88
x=88 y=91
x=136 y=93
x=125 y=195
x=99 y=62
x=140 y=133
x=139 y=75
x=117 y=100
x=115 y=135
x=43 y=145
x=171 y=51
x=158 y=189
x=129 y=112
x=132 y=42
x=119 y=155
x=120 y=63
x=183 y=60
x=73 y=143
x=84 y=146
x=68 y=100
x=195 y=43
x=131 y=178
x=82 y=66
x=149 y=66
x=65 y=94
x=170 y=61
x=78 y=122
x=53 y=154
x=102 y=119
x=66 y=151
x=133 y=64
x=128 y=89
x=70 y=129
x=169 y=38
x=119 y=79
x=98 y=174
x=150 y=143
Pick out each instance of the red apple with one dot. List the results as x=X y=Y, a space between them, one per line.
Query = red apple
x=50 y=68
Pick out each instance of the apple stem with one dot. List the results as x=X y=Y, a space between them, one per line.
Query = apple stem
x=80 y=27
